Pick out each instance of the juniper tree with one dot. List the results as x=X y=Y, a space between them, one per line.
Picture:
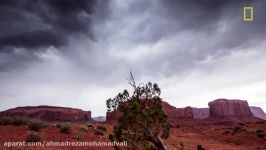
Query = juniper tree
x=142 y=122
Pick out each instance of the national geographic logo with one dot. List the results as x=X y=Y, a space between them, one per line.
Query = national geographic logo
x=248 y=12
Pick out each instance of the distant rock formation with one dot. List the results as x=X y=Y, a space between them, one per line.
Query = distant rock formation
x=48 y=113
x=258 y=112
x=113 y=116
x=224 y=108
x=174 y=113
x=99 y=118
x=200 y=113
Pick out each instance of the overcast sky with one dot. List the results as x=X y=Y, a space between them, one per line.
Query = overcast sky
x=79 y=53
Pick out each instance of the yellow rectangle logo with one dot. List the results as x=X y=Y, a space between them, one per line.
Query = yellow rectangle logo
x=248 y=14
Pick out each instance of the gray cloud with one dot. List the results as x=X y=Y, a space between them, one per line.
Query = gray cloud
x=34 y=25
x=198 y=29
x=87 y=46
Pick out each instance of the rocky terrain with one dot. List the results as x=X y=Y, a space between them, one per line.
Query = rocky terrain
x=112 y=117
x=219 y=110
x=258 y=112
x=48 y=113
x=225 y=125
x=172 y=112
x=201 y=113
x=99 y=118
x=229 y=136
x=225 y=108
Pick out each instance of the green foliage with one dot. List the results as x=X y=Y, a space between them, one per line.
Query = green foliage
x=143 y=121
x=102 y=128
x=83 y=129
x=36 y=125
x=112 y=104
x=260 y=133
x=18 y=122
x=13 y=121
x=5 y=121
x=99 y=132
x=65 y=128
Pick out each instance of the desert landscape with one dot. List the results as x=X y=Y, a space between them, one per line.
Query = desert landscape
x=225 y=125
x=132 y=74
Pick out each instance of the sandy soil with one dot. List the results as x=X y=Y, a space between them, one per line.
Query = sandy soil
x=211 y=137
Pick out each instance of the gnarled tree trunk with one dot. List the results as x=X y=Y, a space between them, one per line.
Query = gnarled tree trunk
x=156 y=140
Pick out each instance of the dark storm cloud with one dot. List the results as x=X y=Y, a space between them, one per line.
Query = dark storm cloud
x=32 y=40
x=34 y=25
x=72 y=49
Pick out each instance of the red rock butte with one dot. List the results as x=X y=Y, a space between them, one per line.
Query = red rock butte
x=222 y=110
x=48 y=113
x=225 y=107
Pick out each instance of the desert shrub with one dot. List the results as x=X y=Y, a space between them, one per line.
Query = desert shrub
x=5 y=121
x=236 y=129
x=241 y=124
x=90 y=126
x=33 y=137
x=102 y=128
x=79 y=138
x=200 y=147
x=19 y=121
x=99 y=132
x=36 y=125
x=58 y=125
x=65 y=128
x=261 y=135
x=259 y=131
x=227 y=132
x=110 y=137
x=83 y=129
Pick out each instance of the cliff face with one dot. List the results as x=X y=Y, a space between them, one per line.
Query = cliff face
x=112 y=117
x=258 y=112
x=174 y=113
x=224 y=108
x=99 y=118
x=200 y=113
x=48 y=113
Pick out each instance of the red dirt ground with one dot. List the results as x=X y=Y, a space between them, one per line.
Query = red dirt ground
x=211 y=137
